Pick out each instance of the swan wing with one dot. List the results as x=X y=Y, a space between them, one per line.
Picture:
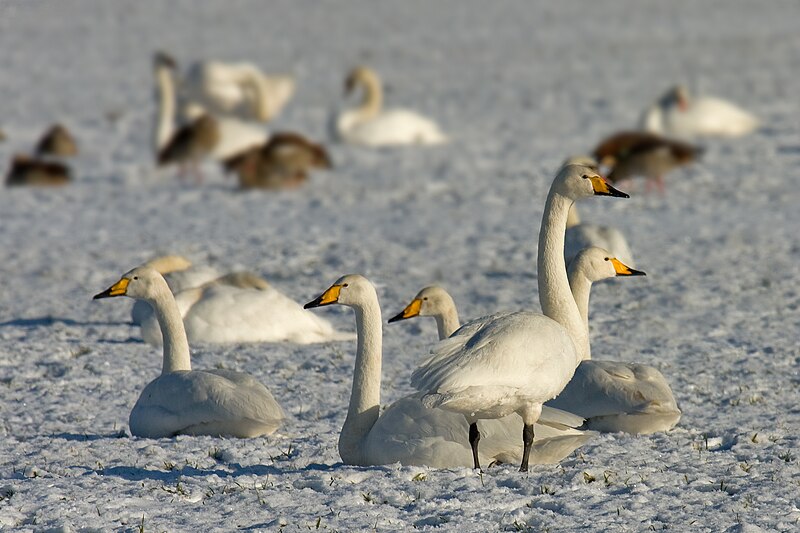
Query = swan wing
x=585 y=235
x=391 y=127
x=212 y=402
x=498 y=361
x=230 y=314
x=620 y=395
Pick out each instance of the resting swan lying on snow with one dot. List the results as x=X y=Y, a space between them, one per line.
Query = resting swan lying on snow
x=370 y=125
x=241 y=307
x=409 y=433
x=186 y=401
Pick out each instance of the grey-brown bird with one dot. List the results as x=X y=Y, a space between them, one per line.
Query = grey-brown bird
x=190 y=144
x=283 y=162
x=26 y=170
x=630 y=154
x=57 y=141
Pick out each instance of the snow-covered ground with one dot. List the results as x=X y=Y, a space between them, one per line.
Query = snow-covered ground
x=519 y=86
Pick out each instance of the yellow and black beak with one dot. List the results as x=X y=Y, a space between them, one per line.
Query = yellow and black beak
x=624 y=270
x=117 y=289
x=603 y=188
x=410 y=311
x=331 y=296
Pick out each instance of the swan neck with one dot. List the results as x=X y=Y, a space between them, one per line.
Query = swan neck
x=447 y=322
x=165 y=95
x=365 y=396
x=554 y=291
x=373 y=97
x=581 y=288
x=176 y=345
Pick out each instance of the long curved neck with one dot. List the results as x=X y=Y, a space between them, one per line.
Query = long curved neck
x=581 y=288
x=554 y=292
x=447 y=321
x=165 y=94
x=176 y=345
x=365 y=397
x=373 y=97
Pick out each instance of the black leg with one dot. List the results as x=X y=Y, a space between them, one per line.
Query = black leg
x=474 y=437
x=527 y=440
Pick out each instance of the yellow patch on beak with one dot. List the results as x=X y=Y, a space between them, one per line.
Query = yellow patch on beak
x=119 y=288
x=331 y=296
x=624 y=270
x=599 y=185
x=412 y=309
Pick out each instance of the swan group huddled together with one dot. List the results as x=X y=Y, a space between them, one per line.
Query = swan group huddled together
x=515 y=387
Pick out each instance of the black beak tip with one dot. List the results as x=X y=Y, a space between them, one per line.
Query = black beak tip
x=316 y=302
x=637 y=272
x=99 y=295
x=396 y=318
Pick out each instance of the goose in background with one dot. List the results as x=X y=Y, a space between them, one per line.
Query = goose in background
x=283 y=162
x=204 y=135
x=241 y=307
x=370 y=125
x=30 y=171
x=409 y=433
x=678 y=114
x=631 y=154
x=237 y=90
x=185 y=401
x=611 y=395
x=57 y=141
x=514 y=362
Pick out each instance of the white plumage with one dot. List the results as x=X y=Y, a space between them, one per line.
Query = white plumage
x=370 y=125
x=411 y=434
x=677 y=114
x=186 y=401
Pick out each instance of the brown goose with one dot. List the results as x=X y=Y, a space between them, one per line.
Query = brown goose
x=283 y=162
x=634 y=153
x=57 y=141
x=26 y=170
x=190 y=144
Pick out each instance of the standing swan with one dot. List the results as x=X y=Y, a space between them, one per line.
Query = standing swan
x=677 y=114
x=611 y=395
x=186 y=401
x=411 y=434
x=514 y=362
x=369 y=125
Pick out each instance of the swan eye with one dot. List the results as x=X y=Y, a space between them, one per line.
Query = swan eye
x=606 y=259
x=425 y=298
x=585 y=177
x=135 y=277
x=344 y=284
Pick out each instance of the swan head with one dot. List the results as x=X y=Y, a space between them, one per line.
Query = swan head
x=140 y=283
x=596 y=264
x=163 y=59
x=360 y=75
x=579 y=181
x=676 y=96
x=350 y=290
x=430 y=301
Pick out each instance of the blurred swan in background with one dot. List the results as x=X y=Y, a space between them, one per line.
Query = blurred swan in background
x=370 y=125
x=613 y=396
x=237 y=90
x=582 y=235
x=411 y=434
x=678 y=114
x=205 y=135
x=185 y=401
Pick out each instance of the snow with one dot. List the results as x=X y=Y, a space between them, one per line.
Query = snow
x=518 y=86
